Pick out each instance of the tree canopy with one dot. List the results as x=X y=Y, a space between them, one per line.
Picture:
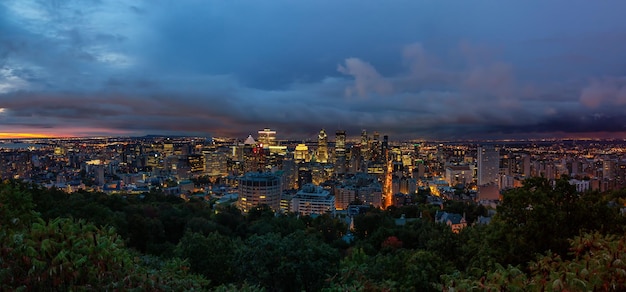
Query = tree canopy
x=544 y=236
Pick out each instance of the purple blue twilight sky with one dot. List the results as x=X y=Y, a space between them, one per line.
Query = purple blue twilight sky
x=452 y=69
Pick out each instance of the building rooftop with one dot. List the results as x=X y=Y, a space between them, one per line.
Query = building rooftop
x=249 y=140
x=312 y=190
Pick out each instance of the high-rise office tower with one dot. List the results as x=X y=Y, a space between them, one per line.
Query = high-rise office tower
x=322 y=147
x=301 y=153
x=215 y=163
x=257 y=188
x=290 y=171
x=365 y=145
x=609 y=167
x=267 y=138
x=375 y=147
x=488 y=164
x=340 y=152
x=527 y=165
x=385 y=145
x=305 y=175
x=355 y=159
x=99 y=175
x=340 y=143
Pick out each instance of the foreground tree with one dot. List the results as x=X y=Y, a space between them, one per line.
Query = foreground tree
x=292 y=263
x=598 y=264
x=63 y=254
x=541 y=216
x=210 y=255
x=400 y=270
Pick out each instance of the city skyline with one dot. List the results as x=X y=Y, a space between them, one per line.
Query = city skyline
x=409 y=69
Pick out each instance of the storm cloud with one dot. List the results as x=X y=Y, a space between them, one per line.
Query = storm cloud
x=409 y=69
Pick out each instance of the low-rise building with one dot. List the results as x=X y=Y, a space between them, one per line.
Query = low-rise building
x=455 y=221
x=312 y=199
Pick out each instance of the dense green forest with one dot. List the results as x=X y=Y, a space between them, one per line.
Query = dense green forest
x=544 y=237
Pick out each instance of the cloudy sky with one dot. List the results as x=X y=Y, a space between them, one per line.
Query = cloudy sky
x=453 y=69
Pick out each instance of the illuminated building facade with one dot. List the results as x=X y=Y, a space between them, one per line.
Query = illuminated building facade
x=258 y=188
x=458 y=174
x=375 y=147
x=99 y=175
x=168 y=149
x=267 y=138
x=355 y=160
x=196 y=163
x=408 y=185
x=312 y=199
x=322 y=147
x=153 y=160
x=249 y=141
x=488 y=164
x=319 y=173
x=215 y=163
x=344 y=195
x=365 y=147
x=340 y=152
x=305 y=176
x=290 y=172
x=253 y=155
x=371 y=195
x=285 y=202
x=301 y=153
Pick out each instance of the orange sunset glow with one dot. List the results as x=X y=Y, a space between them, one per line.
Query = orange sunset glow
x=25 y=135
x=66 y=132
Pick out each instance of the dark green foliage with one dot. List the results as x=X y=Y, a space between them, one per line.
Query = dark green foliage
x=478 y=246
x=152 y=223
x=231 y=218
x=527 y=241
x=203 y=226
x=539 y=217
x=245 y=287
x=366 y=224
x=282 y=224
x=401 y=270
x=410 y=211
x=63 y=254
x=16 y=206
x=330 y=229
x=260 y=212
x=598 y=264
x=210 y=255
x=295 y=262
x=470 y=210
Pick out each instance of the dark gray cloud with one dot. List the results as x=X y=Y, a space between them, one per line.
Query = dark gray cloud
x=411 y=69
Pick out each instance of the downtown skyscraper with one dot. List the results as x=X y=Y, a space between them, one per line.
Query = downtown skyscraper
x=322 y=147
x=340 y=152
x=488 y=164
